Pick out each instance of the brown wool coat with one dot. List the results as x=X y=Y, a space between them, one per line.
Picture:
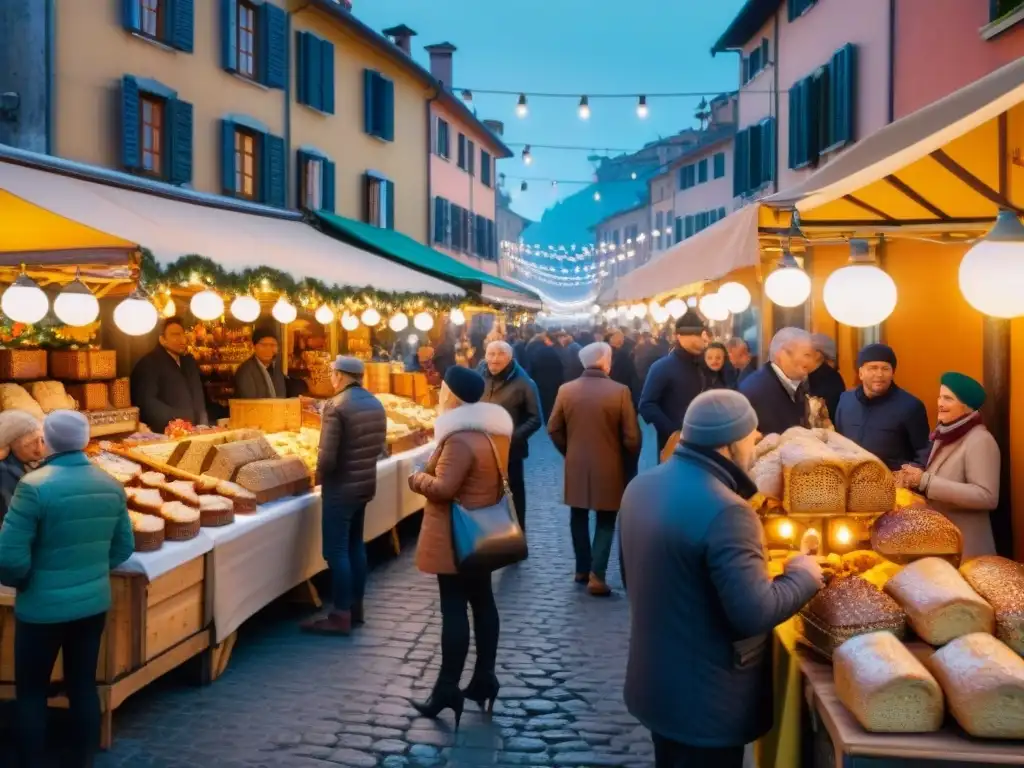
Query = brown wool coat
x=463 y=468
x=594 y=425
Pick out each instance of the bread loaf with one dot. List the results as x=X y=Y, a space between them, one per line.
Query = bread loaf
x=229 y=458
x=814 y=478
x=181 y=490
x=181 y=521
x=940 y=605
x=51 y=396
x=194 y=454
x=984 y=684
x=244 y=501
x=145 y=500
x=1001 y=583
x=148 y=531
x=14 y=397
x=885 y=687
x=871 y=488
x=848 y=606
x=91 y=396
x=274 y=478
x=908 y=534
x=767 y=475
x=121 y=469
x=215 y=511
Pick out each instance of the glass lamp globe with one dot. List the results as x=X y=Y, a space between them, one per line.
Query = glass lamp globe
x=736 y=297
x=349 y=321
x=370 y=317
x=284 y=312
x=423 y=321
x=676 y=308
x=788 y=286
x=610 y=313
x=595 y=310
x=24 y=301
x=457 y=317
x=75 y=305
x=692 y=302
x=653 y=307
x=859 y=295
x=136 y=315
x=992 y=271
x=639 y=311
x=324 y=315
x=712 y=306
x=659 y=315
x=398 y=322
x=245 y=309
x=413 y=340
x=207 y=305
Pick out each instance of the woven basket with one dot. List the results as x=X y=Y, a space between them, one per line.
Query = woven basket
x=22 y=364
x=90 y=396
x=120 y=393
x=83 y=364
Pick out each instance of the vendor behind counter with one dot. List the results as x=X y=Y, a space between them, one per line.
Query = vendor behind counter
x=261 y=376
x=165 y=383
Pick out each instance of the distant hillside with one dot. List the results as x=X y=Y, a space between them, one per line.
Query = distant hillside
x=569 y=220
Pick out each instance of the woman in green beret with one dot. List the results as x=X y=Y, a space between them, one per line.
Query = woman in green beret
x=961 y=479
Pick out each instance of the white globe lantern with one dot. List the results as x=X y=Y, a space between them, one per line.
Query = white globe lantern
x=676 y=308
x=423 y=321
x=638 y=311
x=457 y=316
x=245 y=309
x=659 y=315
x=24 y=301
x=653 y=307
x=136 y=315
x=692 y=302
x=992 y=271
x=788 y=286
x=413 y=340
x=75 y=305
x=207 y=305
x=284 y=312
x=735 y=296
x=370 y=317
x=595 y=310
x=349 y=321
x=398 y=322
x=859 y=295
x=610 y=313
x=324 y=315
x=713 y=307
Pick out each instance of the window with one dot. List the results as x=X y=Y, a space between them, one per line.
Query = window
x=169 y=23
x=754 y=63
x=444 y=143
x=821 y=109
x=687 y=176
x=379 y=105
x=151 y=119
x=719 y=165
x=1000 y=8
x=798 y=8
x=442 y=221
x=254 y=163
x=471 y=156
x=314 y=64
x=246 y=40
x=702 y=171
x=754 y=160
x=485 y=168
x=658 y=221
x=380 y=201
x=463 y=154
x=316 y=181
x=721 y=213
x=245 y=164
x=254 y=41
x=679 y=228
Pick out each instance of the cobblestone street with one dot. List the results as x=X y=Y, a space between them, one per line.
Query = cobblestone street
x=289 y=700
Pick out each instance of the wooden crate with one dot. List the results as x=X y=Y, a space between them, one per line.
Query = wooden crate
x=377 y=378
x=22 y=364
x=267 y=415
x=83 y=364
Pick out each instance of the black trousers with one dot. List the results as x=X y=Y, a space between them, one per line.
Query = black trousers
x=35 y=652
x=517 y=482
x=672 y=754
x=458 y=593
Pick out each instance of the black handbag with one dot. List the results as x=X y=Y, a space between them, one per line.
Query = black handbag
x=488 y=538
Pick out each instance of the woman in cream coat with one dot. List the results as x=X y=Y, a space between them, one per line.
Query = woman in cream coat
x=962 y=476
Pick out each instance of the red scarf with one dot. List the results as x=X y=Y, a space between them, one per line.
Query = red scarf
x=947 y=434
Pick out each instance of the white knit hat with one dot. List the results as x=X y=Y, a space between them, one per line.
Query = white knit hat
x=14 y=425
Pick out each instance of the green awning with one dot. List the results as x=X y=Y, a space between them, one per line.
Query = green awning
x=403 y=249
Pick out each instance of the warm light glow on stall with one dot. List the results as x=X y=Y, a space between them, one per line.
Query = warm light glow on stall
x=245 y=309
x=992 y=271
x=676 y=308
x=170 y=308
x=284 y=312
x=75 y=305
x=207 y=305
x=423 y=321
x=412 y=340
x=788 y=285
x=24 y=301
x=398 y=322
x=324 y=315
x=457 y=317
x=735 y=296
x=713 y=307
x=370 y=317
x=659 y=314
x=136 y=315
x=638 y=311
x=349 y=321
x=860 y=294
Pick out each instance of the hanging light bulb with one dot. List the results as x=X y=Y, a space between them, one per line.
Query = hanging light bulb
x=584 y=109
x=370 y=317
x=713 y=307
x=597 y=197
x=457 y=317
x=676 y=308
x=284 y=312
x=412 y=339
x=207 y=305
x=349 y=321
x=398 y=322
x=245 y=309
x=136 y=315
x=654 y=306
x=24 y=301
x=610 y=313
x=521 y=109
x=633 y=175
x=860 y=295
x=692 y=302
x=324 y=315
x=75 y=305
x=788 y=285
x=527 y=155
x=639 y=311
x=170 y=308
x=423 y=321
x=641 y=108
x=992 y=271
x=736 y=297
x=595 y=310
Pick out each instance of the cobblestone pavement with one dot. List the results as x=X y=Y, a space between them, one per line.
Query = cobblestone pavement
x=289 y=700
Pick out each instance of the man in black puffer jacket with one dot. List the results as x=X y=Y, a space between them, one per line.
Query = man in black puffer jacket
x=353 y=437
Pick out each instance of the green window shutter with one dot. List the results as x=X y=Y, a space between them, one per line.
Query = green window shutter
x=721 y=213
x=702 y=171
x=272 y=45
x=768 y=150
x=389 y=186
x=844 y=93
x=301 y=158
x=740 y=176
x=131 y=140
x=688 y=228
x=274 y=176
x=439 y=220
x=229 y=34
x=471 y=154
x=326 y=77
x=822 y=116
x=719 y=165
x=314 y=74
x=301 y=67
x=179 y=121
x=327 y=193
x=131 y=18
x=485 y=168
x=181 y=28
x=388 y=110
x=679 y=228
x=227 y=157
x=462 y=151
x=795 y=159
x=754 y=157
x=455 y=212
x=369 y=101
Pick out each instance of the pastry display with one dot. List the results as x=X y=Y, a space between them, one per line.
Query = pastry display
x=1001 y=583
x=181 y=521
x=272 y=479
x=983 y=680
x=195 y=453
x=871 y=488
x=940 y=605
x=230 y=458
x=90 y=395
x=305 y=443
x=814 y=480
x=215 y=511
x=885 y=687
x=845 y=608
x=908 y=534
x=148 y=531
x=146 y=500
x=121 y=469
x=181 y=490
x=51 y=396
x=244 y=500
x=153 y=480
x=16 y=397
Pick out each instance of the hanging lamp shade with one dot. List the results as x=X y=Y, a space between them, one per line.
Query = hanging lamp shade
x=735 y=296
x=75 y=305
x=423 y=321
x=324 y=315
x=788 y=285
x=284 y=312
x=398 y=322
x=370 y=317
x=861 y=294
x=712 y=306
x=992 y=271
x=24 y=301
x=136 y=315
x=676 y=308
x=349 y=321
x=245 y=309
x=207 y=305
x=457 y=317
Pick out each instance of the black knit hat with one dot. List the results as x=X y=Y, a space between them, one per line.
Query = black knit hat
x=876 y=353
x=465 y=383
x=261 y=333
x=690 y=324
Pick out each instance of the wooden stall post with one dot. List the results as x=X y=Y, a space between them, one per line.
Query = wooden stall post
x=996 y=367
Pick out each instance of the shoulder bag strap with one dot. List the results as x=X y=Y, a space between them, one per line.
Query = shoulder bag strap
x=505 y=489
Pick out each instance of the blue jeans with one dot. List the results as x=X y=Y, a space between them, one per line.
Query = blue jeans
x=592 y=560
x=345 y=552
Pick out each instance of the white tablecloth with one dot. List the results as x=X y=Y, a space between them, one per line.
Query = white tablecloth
x=382 y=512
x=410 y=503
x=172 y=554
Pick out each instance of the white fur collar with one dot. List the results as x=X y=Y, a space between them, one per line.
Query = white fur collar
x=474 y=417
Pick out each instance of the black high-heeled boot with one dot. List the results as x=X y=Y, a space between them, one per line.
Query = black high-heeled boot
x=444 y=696
x=483 y=689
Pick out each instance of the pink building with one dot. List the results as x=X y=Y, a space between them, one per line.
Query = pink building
x=624 y=239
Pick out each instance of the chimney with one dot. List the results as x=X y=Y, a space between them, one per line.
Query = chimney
x=497 y=127
x=402 y=37
x=441 y=62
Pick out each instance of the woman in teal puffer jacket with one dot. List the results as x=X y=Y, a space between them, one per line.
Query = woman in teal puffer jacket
x=66 y=527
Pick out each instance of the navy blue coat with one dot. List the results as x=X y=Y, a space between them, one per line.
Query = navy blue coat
x=671 y=385
x=777 y=410
x=827 y=383
x=894 y=426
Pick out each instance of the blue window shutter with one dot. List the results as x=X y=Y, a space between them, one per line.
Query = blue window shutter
x=721 y=213
x=447 y=222
x=130 y=15
x=301 y=67
x=274 y=172
x=764 y=52
x=227 y=157
x=702 y=171
x=131 y=140
x=301 y=158
x=844 y=66
x=181 y=31
x=439 y=220
x=272 y=45
x=314 y=73
x=456 y=224
x=740 y=164
x=388 y=113
x=768 y=150
x=327 y=194
x=795 y=120
x=679 y=228
x=492 y=245
x=369 y=101
x=229 y=34
x=390 y=220
x=327 y=77
x=179 y=119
